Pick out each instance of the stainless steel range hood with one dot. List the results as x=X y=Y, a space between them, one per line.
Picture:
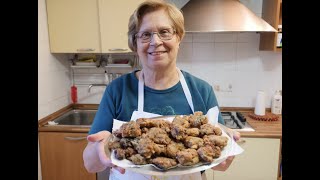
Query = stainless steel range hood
x=222 y=16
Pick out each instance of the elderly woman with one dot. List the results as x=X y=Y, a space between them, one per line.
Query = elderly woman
x=156 y=29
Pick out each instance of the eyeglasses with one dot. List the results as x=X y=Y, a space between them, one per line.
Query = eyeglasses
x=164 y=34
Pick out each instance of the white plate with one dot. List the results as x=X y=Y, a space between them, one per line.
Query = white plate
x=150 y=170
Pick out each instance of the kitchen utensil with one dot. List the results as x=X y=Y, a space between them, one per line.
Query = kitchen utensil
x=241 y=117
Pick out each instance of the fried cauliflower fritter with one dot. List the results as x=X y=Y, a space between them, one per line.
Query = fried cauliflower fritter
x=193 y=132
x=178 y=132
x=215 y=140
x=206 y=153
x=181 y=121
x=158 y=135
x=126 y=142
x=160 y=149
x=197 y=119
x=114 y=145
x=216 y=151
x=209 y=129
x=193 y=142
x=188 y=157
x=130 y=129
x=146 y=147
x=164 y=162
x=138 y=159
x=120 y=153
x=173 y=148
x=149 y=123
x=144 y=122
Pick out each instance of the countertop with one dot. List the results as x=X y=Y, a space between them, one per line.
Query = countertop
x=263 y=129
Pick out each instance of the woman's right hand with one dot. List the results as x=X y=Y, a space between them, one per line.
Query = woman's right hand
x=94 y=156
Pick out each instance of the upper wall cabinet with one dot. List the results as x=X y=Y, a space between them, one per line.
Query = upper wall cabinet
x=272 y=13
x=89 y=26
x=73 y=26
x=114 y=18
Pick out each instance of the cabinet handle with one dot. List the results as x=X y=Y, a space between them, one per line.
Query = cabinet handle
x=75 y=138
x=241 y=141
x=85 y=49
x=118 y=49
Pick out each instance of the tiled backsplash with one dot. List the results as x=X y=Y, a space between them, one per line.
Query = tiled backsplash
x=230 y=62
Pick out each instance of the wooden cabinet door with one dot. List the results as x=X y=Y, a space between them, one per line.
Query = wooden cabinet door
x=259 y=161
x=61 y=156
x=271 y=13
x=114 y=18
x=73 y=26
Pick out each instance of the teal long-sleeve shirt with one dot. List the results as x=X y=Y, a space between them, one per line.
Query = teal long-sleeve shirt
x=120 y=99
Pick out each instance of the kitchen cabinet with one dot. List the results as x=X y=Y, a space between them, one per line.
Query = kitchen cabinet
x=61 y=156
x=114 y=18
x=73 y=26
x=89 y=26
x=271 y=13
x=260 y=160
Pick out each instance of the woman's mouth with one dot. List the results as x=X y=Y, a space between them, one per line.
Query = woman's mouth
x=156 y=53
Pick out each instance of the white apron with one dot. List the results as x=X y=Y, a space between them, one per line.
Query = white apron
x=116 y=175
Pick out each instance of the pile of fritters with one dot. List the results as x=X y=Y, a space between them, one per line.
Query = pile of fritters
x=188 y=140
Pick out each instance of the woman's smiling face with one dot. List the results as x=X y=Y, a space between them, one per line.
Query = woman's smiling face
x=157 y=54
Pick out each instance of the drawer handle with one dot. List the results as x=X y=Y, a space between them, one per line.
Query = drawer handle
x=118 y=49
x=241 y=141
x=75 y=138
x=85 y=49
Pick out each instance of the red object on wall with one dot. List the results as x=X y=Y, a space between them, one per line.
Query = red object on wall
x=74 y=94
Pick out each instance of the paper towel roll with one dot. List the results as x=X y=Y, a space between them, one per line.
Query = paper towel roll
x=260 y=108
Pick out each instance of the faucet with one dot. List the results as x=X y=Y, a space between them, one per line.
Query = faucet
x=90 y=86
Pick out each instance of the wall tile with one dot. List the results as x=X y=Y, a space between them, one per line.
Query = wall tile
x=225 y=37
x=187 y=37
x=225 y=55
x=202 y=37
x=185 y=51
x=202 y=51
x=251 y=37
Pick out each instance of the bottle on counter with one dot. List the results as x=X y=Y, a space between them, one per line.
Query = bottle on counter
x=276 y=103
x=279 y=37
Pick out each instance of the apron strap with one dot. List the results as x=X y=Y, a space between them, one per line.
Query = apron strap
x=186 y=89
x=141 y=92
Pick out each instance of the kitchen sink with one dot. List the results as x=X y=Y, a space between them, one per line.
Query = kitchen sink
x=74 y=118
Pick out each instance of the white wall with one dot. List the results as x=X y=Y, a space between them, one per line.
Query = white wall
x=232 y=59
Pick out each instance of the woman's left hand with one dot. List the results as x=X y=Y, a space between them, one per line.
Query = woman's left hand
x=223 y=166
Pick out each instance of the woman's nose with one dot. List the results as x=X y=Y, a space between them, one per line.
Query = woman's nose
x=155 y=39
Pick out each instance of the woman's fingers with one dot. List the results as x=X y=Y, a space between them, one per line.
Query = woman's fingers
x=102 y=154
x=224 y=165
x=121 y=170
x=236 y=135
x=105 y=159
x=98 y=136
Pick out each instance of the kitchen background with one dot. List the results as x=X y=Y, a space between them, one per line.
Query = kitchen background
x=230 y=62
